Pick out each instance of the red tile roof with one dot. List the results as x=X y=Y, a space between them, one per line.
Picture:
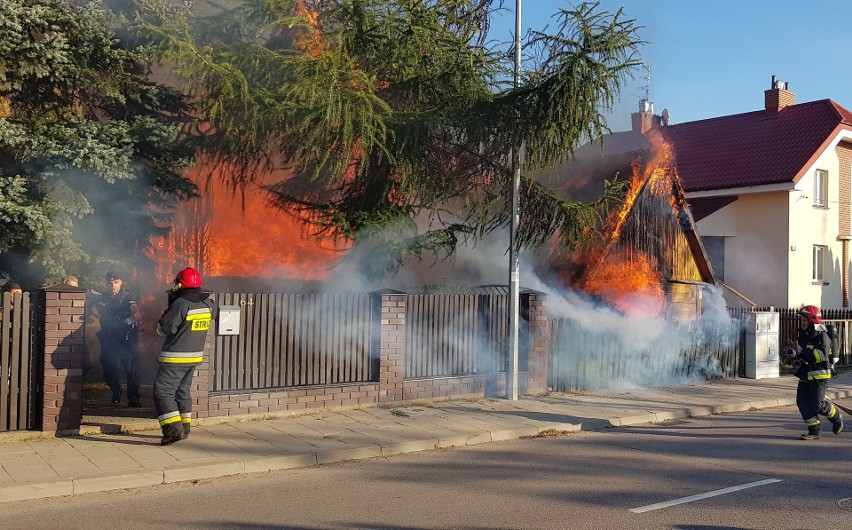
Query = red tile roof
x=753 y=149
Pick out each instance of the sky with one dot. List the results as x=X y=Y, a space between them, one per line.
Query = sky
x=716 y=57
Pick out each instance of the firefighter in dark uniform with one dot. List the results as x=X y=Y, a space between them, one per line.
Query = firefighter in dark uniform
x=812 y=368
x=190 y=314
x=119 y=337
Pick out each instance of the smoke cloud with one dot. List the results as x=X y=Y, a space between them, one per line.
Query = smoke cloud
x=594 y=344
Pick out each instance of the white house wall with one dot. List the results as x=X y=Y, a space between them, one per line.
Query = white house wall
x=755 y=246
x=722 y=222
x=811 y=226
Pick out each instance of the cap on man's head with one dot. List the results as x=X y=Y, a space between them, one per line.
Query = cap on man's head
x=112 y=276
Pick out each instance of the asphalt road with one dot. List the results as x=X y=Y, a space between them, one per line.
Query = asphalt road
x=745 y=470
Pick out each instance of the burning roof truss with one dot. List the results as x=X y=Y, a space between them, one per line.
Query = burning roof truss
x=652 y=249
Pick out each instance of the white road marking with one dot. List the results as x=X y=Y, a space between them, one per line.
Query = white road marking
x=709 y=494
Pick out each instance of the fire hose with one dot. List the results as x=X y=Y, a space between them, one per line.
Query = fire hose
x=838 y=405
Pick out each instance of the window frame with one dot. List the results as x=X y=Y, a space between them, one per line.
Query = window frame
x=820 y=188
x=818 y=262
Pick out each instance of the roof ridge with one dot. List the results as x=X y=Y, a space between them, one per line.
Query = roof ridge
x=753 y=148
x=715 y=118
x=843 y=112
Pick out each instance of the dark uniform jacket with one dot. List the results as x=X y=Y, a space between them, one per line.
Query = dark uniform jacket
x=814 y=355
x=190 y=314
x=117 y=317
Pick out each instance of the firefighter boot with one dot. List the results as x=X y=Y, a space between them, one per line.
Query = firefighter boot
x=186 y=430
x=837 y=424
x=171 y=433
x=812 y=434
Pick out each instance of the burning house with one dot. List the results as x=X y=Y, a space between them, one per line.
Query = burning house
x=652 y=260
x=670 y=324
x=769 y=190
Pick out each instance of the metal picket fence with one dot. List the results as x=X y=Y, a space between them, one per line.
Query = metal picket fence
x=592 y=357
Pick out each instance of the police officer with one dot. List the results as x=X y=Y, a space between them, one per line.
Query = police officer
x=812 y=347
x=119 y=336
x=190 y=314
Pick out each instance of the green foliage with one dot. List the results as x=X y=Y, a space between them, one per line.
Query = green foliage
x=398 y=113
x=89 y=147
x=19 y=216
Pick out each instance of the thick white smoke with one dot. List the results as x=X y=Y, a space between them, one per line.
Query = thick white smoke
x=593 y=344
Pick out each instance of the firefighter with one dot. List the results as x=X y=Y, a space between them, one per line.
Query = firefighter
x=812 y=368
x=185 y=323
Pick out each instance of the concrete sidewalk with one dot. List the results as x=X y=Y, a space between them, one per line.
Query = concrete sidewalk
x=36 y=467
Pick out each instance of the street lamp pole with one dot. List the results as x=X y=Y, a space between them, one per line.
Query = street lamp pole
x=514 y=262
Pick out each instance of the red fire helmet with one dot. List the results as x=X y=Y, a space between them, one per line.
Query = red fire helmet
x=188 y=278
x=812 y=313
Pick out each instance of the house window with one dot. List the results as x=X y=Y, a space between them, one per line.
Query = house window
x=821 y=188
x=820 y=259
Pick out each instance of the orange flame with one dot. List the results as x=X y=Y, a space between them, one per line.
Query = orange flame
x=261 y=241
x=656 y=174
x=631 y=284
x=222 y=235
x=629 y=279
x=310 y=39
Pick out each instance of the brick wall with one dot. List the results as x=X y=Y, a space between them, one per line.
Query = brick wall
x=539 y=342
x=643 y=122
x=201 y=382
x=301 y=399
x=776 y=99
x=844 y=157
x=391 y=344
x=443 y=387
x=62 y=337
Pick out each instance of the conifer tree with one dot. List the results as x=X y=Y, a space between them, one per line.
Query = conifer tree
x=396 y=117
x=90 y=149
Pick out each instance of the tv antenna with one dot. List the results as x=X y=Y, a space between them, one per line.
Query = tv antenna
x=647 y=78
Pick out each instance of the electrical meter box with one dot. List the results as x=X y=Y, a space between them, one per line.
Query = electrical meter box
x=762 y=341
x=229 y=320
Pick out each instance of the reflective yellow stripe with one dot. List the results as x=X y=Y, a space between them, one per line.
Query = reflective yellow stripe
x=168 y=418
x=812 y=422
x=819 y=375
x=180 y=360
x=200 y=319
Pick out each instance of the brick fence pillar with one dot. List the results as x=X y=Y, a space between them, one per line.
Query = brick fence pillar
x=538 y=341
x=389 y=349
x=61 y=337
x=201 y=378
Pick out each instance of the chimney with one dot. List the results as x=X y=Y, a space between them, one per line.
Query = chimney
x=644 y=120
x=778 y=97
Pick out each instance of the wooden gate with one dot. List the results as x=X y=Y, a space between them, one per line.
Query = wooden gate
x=17 y=383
